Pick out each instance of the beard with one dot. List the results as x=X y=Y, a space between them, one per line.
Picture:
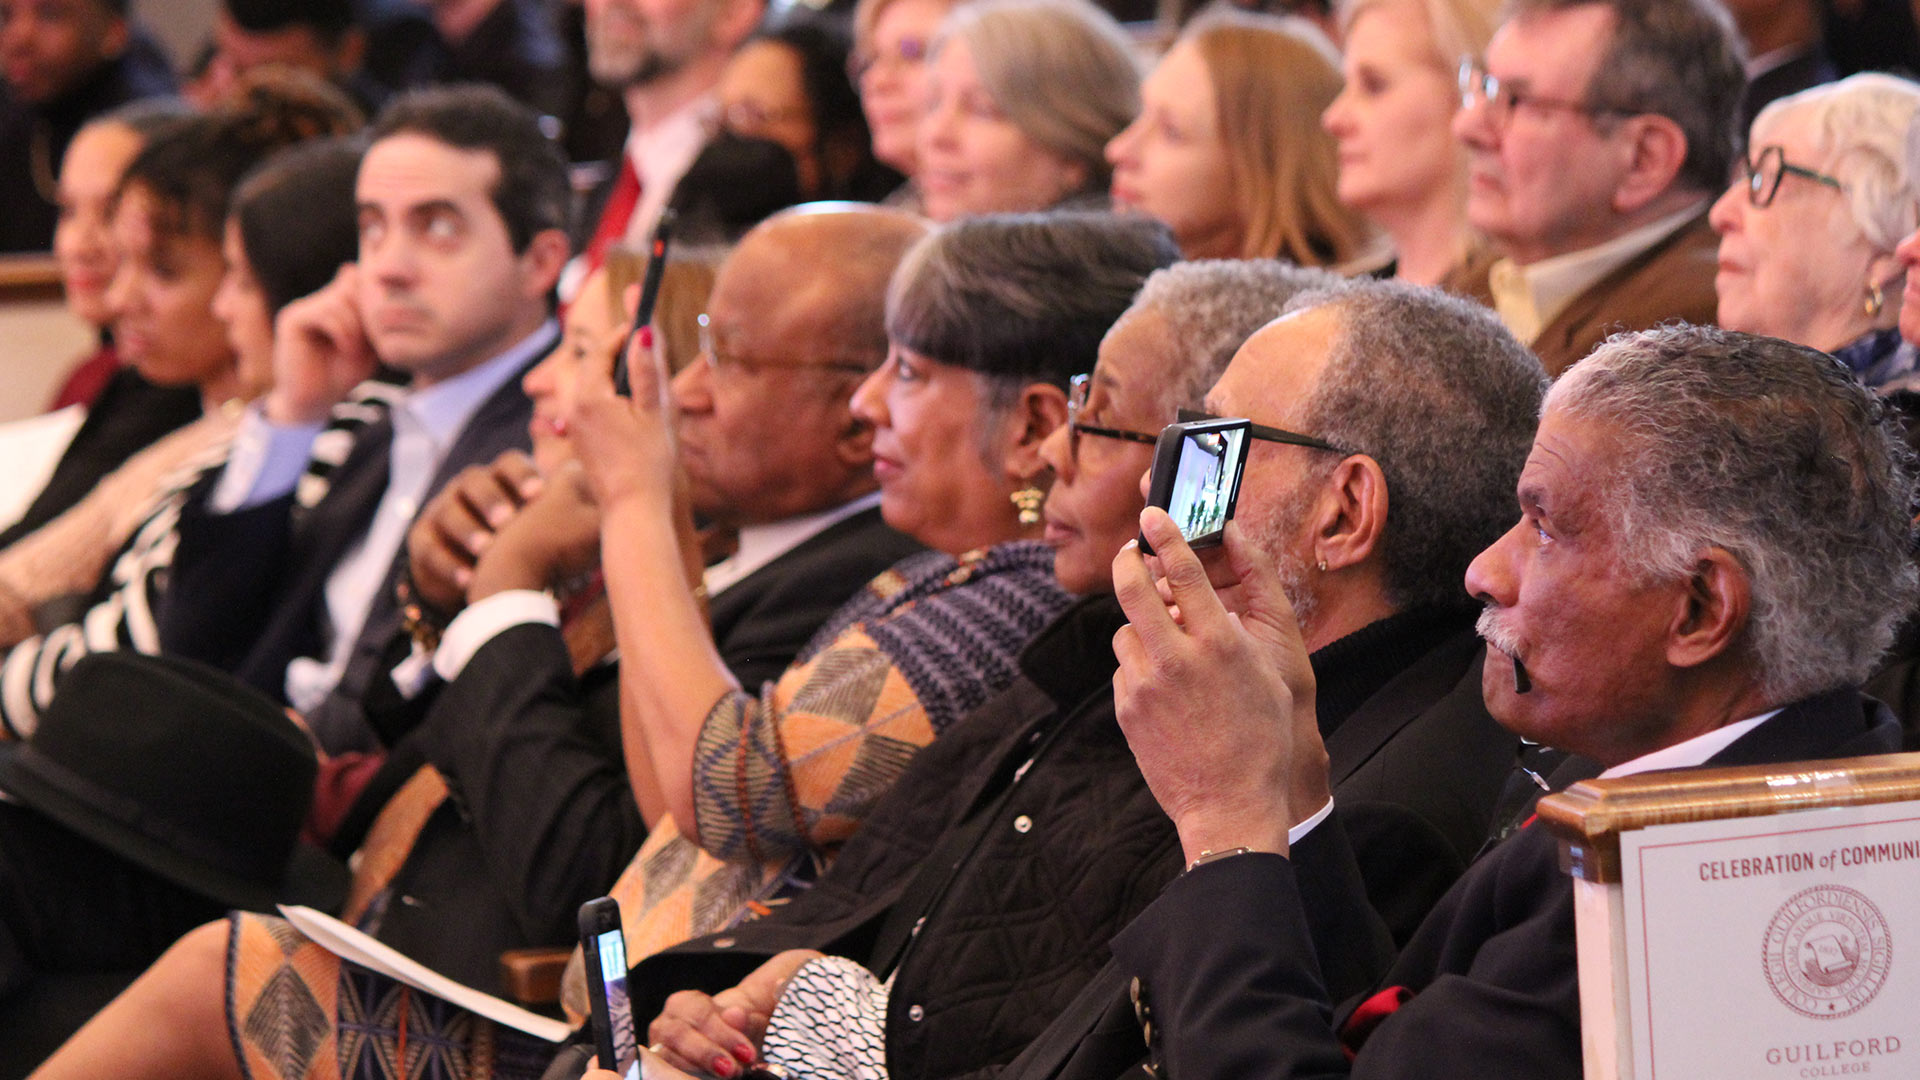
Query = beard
x=1273 y=533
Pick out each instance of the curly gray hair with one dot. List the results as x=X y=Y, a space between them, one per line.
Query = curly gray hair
x=1775 y=453
x=1212 y=306
x=1434 y=389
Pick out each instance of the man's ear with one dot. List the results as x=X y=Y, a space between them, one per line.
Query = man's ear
x=541 y=263
x=854 y=445
x=1713 y=613
x=116 y=37
x=1351 y=515
x=1656 y=150
x=350 y=51
x=1040 y=408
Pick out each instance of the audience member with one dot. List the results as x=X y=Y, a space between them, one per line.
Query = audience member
x=1786 y=52
x=62 y=63
x=1022 y=98
x=1399 y=162
x=1643 y=95
x=90 y=580
x=790 y=85
x=1013 y=922
x=891 y=39
x=666 y=63
x=316 y=36
x=1713 y=550
x=512 y=44
x=1807 y=234
x=1226 y=150
x=462 y=202
x=986 y=322
x=125 y=412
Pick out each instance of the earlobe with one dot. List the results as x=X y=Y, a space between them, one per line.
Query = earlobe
x=1351 y=528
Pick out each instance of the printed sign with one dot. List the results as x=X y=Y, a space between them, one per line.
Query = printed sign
x=1775 y=948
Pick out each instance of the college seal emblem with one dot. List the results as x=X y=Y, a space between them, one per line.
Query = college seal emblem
x=1827 y=952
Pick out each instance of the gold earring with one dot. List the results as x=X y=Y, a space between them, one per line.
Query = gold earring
x=1875 y=301
x=1029 y=500
x=1322 y=566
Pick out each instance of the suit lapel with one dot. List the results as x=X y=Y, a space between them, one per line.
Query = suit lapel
x=1404 y=699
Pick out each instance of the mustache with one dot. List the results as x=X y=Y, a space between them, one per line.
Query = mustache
x=1492 y=627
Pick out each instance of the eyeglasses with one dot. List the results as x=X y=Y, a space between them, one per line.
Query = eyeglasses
x=1477 y=87
x=1271 y=434
x=1078 y=388
x=910 y=52
x=1765 y=173
x=726 y=364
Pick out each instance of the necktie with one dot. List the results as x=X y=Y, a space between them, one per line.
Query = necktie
x=616 y=215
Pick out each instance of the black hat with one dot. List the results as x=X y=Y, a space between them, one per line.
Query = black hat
x=180 y=769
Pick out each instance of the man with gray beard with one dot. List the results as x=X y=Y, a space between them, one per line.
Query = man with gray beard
x=664 y=57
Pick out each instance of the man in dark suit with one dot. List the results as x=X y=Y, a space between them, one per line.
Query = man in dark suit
x=1712 y=552
x=463 y=204
x=1597 y=134
x=544 y=816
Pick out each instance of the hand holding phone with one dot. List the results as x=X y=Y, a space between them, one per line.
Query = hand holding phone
x=1197 y=467
x=649 y=296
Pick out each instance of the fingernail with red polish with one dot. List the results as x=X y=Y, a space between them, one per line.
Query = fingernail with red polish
x=723 y=1066
x=646 y=337
x=745 y=1053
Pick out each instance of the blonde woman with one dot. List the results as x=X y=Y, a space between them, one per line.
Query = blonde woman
x=1399 y=162
x=1226 y=151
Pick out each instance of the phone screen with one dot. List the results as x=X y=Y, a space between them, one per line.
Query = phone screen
x=615 y=1040
x=1196 y=477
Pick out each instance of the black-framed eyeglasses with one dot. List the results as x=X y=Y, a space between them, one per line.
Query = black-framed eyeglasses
x=1478 y=87
x=1271 y=434
x=1077 y=390
x=725 y=363
x=1765 y=172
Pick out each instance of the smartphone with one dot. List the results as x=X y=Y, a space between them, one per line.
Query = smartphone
x=649 y=296
x=1196 y=477
x=614 y=1036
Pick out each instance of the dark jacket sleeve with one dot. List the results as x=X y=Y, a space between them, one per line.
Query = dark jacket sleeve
x=533 y=758
x=226 y=579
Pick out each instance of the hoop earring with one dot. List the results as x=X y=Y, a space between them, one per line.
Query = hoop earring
x=1875 y=301
x=1028 y=501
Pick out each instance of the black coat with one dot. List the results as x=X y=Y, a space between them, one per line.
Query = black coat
x=541 y=816
x=990 y=899
x=1492 y=970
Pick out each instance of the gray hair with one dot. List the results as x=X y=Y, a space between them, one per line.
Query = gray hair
x=1434 y=389
x=1062 y=70
x=1859 y=129
x=1775 y=453
x=1212 y=306
x=1681 y=59
x=1023 y=298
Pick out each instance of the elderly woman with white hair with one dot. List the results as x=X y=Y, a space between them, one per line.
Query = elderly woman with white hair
x=1022 y=96
x=1808 y=232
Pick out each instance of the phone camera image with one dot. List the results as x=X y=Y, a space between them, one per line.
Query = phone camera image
x=1196 y=476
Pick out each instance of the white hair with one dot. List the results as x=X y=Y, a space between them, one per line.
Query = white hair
x=1859 y=127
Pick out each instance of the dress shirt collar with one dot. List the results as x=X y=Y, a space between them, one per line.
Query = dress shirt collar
x=443 y=409
x=1695 y=751
x=1529 y=297
x=761 y=544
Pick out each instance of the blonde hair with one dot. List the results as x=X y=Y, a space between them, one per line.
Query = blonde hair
x=1458 y=28
x=1062 y=70
x=1271 y=82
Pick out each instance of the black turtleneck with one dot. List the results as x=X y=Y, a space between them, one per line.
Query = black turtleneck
x=1354 y=668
